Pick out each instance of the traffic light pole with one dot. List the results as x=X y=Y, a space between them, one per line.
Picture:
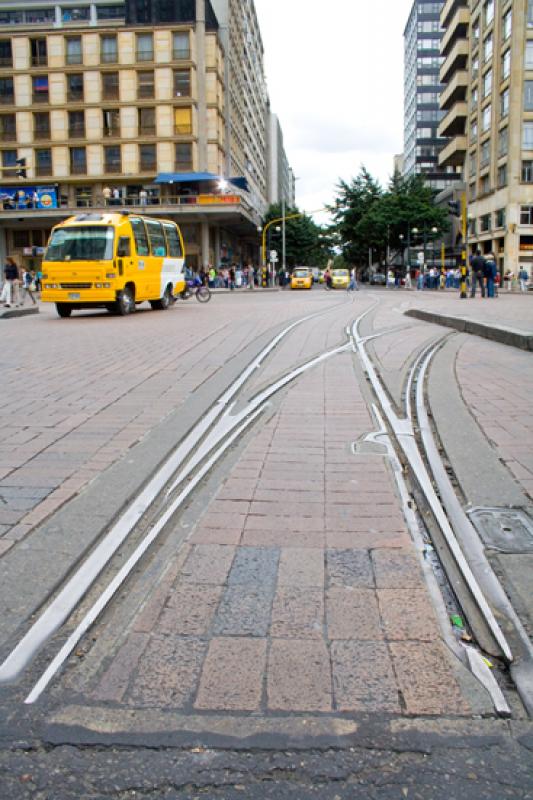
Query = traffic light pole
x=464 y=251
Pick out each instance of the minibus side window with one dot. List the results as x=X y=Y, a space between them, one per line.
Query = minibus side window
x=141 y=240
x=158 y=245
x=123 y=247
x=173 y=239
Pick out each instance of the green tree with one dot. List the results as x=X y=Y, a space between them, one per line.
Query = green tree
x=354 y=200
x=303 y=243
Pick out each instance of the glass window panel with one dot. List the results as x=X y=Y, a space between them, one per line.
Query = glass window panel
x=158 y=245
x=173 y=240
x=139 y=234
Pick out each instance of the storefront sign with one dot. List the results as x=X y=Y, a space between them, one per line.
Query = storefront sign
x=29 y=197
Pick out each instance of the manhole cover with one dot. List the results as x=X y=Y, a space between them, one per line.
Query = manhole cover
x=504 y=529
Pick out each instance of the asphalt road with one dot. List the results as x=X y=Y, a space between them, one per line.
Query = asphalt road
x=286 y=634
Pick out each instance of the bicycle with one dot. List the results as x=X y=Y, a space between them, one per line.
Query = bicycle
x=196 y=287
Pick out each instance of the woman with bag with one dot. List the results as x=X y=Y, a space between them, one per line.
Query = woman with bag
x=28 y=286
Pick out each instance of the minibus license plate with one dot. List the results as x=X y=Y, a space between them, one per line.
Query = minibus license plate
x=74 y=295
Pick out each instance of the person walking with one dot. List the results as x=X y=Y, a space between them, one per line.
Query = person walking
x=11 y=277
x=232 y=277
x=523 y=277
x=490 y=269
x=27 y=287
x=478 y=274
x=352 y=286
x=508 y=280
x=143 y=197
x=106 y=193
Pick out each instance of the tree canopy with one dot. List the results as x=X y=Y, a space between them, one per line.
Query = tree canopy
x=305 y=242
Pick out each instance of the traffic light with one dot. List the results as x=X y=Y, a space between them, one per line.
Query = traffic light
x=21 y=168
x=454 y=207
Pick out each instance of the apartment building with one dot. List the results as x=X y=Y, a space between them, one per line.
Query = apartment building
x=134 y=95
x=488 y=103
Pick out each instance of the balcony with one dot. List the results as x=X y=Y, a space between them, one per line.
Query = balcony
x=457 y=28
x=457 y=59
x=453 y=154
x=453 y=124
x=455 y=91
x=448 y=9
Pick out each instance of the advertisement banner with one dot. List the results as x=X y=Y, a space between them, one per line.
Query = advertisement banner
x=29 y=197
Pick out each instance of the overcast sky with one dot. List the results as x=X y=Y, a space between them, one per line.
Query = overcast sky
x=334 y=70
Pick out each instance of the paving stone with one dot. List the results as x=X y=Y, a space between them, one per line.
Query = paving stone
x=227 y=536
x=237 y=490
x=244 y=610
x=353 y=614
x=208 y=564
x=300 y=567
x=384 y=523
x=289 y=509
x=190 y=609
x=407 y=614
x=298 y=613
x=275 y=522
x=223 y=520
x=397 y=569
x=426 y=679
x=349 y=568
x=115 y=680
x=257 y=566
x=283 y=538
x=363 y=677
x=168 y=672
x=299 y=676
x=232 y=676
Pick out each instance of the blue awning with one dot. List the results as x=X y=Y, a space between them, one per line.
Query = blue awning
x=198 y=177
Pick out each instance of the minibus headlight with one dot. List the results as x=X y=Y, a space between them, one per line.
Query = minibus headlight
x=98 y=285
x=106 y=285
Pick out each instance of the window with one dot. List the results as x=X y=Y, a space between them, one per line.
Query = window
x=39 y=16
x=10 y=17
x=9 y=159
x=40 y=89
x=139 y=234
x=472 y=163
x=147 y=157
x=503 y=142
x=502 y=176
x=43 y=162
x=484 y=223
x=475 y=32
x=108 y=50
x=506 y=64
x=146 y=121
x=110 y=12
x=79 y=14
x=486 y=118
x=489 y=11
x=527 y=171
x=81 y=243
x=475 y=67
x=487 y=47
x=41 y=125
x=504 y=103
x=76 y=124
x=473 y=130
x=78 y=161
x=112 y=159
x=530 y=13
x=75 y=87
x=182 y=83
x=145 y=47
x=182 y=120
x=6 y=57
x=39 y=55
x=111 y=122
x=173 y=240
x=526 y=215
x=527 y=136
x=110 y=86
x=484 y=154
x=7 y=93
x=473 y=97
x=528 y=95
x=180 y=45
x=484 y=186
x=507 y=24
x=8 y=129
x=529 y=54
x=487 y=83
x=145 y=84
x=158 y=245
x=500 y=218
x=183 y=157
x=74 y=54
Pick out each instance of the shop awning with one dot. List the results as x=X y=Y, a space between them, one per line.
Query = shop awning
x=199 y=177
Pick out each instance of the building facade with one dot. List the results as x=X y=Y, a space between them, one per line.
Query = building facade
x=280 y=176
x=488 y=102
x=137 y=96
x=422 y=87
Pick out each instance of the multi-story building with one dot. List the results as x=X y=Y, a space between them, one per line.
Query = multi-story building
x=139 y=94
x=488 y=100
x=280 y=177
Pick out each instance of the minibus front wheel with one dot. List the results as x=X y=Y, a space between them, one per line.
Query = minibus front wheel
x=63 y=310
x=125 y=302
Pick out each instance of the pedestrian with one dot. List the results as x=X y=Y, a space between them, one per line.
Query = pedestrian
x=116 y=196
x=327 y=277
x=523 y=277
x=143 y=197
x=478 y=274
x=352 y=286
x=251 y=276
x=212 y=276
x=508 y=278
x=27 y=287
x=490 y=271
x=407 y=279
x=35 y=200
x=231 y=277
x=11 y=279
x=106 y=193
x=420 y=280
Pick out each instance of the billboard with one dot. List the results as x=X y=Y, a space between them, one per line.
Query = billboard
x=12 y=197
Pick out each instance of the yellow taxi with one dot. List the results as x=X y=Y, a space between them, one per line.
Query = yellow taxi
x=340 y=278
x=302 y=278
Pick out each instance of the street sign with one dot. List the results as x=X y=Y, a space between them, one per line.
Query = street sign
x=420 y=258
x=273 y=256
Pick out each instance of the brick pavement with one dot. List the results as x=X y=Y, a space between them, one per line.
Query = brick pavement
x=299 y=590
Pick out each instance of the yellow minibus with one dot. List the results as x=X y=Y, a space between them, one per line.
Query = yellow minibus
x=114 y=261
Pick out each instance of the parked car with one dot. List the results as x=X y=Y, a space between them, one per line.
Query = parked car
x=378 y=279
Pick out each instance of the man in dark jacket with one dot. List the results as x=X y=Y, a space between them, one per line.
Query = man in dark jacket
x=478 y=274
x=11 y=276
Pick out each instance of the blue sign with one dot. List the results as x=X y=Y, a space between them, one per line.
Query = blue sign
x=28 y=197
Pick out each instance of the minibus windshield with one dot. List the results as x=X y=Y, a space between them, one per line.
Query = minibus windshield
x=81 y=243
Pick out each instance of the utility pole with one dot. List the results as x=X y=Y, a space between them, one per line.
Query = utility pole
x=464 y=253
x=283 y=249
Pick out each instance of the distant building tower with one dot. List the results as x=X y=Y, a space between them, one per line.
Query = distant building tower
x=422 y=114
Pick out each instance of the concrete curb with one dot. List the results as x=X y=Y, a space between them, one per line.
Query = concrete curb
x=496 y=333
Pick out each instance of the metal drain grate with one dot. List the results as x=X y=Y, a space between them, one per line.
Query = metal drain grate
x=505 y=529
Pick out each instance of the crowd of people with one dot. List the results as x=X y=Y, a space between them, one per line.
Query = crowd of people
x=19 y=285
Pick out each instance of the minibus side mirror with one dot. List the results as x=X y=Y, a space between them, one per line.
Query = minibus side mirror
x=123 y=248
